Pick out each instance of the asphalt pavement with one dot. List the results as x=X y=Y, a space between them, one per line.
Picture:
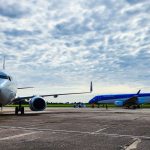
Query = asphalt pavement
x=75 y=129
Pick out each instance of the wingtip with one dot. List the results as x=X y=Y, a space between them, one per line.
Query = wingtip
x=91 y=87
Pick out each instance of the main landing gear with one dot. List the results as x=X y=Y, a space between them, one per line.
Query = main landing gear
x=1 y=107
x=19 y=109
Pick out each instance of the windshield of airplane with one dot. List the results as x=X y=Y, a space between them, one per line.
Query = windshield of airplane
x=3 y=75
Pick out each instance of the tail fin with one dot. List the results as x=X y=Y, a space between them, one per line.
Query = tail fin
x=4 y=63
x=138 y=92
x=91 y=87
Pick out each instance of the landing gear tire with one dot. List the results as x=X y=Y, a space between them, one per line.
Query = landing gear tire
x=19 y=109
x=138 y=106
x=22 y=110
x=16 y=110
x=134 y=107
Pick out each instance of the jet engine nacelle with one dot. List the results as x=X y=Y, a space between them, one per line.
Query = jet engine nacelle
x=37 y=103
x=119 y=103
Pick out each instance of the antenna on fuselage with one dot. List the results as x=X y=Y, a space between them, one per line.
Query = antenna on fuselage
x=4 y=62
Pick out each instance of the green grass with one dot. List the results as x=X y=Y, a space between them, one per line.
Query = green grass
x=145 y=105
x=60 y=105
x=71 y=105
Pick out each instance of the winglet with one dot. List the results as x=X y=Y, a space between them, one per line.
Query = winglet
x=138 y=92
x=91 y=87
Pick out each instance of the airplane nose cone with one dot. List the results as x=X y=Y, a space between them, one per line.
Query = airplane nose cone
x=1 y=95
x=2 y=86
x=0 y=89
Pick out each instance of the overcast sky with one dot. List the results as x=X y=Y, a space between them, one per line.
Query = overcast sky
x=68 y=43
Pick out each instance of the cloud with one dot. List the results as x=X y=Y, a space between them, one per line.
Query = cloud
x=19 y=33
x=60 y=42
x=12 y=9
x=135 y=1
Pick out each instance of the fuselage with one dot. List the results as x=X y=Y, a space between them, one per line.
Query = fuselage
x=112 y=99
x=7 y=89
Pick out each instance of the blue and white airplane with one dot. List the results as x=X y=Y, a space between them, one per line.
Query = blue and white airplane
x=124 y=100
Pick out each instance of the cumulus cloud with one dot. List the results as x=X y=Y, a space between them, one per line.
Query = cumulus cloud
x=72 y=42
x=135 y=1
x=13 y=9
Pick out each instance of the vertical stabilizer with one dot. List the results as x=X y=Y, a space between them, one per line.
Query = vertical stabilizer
x=138 y=92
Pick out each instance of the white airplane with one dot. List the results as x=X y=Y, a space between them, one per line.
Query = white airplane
x=8 y=92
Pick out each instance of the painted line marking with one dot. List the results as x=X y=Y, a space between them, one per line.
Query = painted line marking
x=17 y=136
x=98 y=131
x=38 y=129
x=133 y=145
x=80 y=132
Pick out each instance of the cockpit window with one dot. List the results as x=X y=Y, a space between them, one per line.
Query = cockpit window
x=3 y=76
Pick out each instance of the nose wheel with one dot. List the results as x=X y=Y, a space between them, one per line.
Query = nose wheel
x=19 y=109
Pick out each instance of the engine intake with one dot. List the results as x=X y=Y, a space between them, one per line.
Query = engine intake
x=119 y=103
x=37 y=104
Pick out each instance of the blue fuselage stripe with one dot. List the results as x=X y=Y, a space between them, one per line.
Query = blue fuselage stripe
x=143 y=98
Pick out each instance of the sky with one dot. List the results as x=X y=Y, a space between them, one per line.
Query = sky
x=61 y=45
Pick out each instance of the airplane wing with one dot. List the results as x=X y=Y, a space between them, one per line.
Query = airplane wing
x=20 y=88
x=133 y=100
x=54 y=95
